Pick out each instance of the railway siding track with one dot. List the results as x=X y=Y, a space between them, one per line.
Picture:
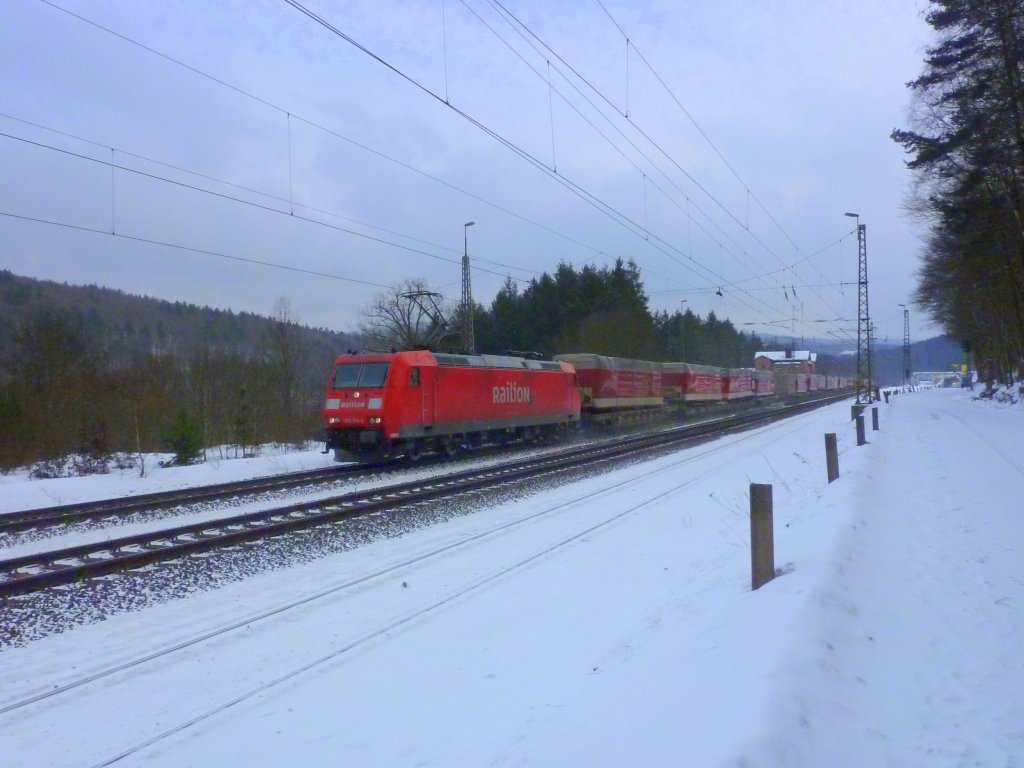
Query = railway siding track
x=39 y=571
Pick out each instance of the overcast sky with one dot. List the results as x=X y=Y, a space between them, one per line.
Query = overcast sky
x=180 y=148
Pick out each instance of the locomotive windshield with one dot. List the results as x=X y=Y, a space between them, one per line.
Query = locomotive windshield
x=350 y=375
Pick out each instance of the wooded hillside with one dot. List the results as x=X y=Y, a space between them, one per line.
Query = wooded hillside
x=92 y=370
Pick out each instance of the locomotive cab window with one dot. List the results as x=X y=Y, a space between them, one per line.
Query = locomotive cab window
x=414 y=377
x=367 y=375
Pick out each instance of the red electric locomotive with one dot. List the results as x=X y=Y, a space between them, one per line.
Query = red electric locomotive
x=407 y=403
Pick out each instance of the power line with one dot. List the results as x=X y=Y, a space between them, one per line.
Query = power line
x=519 y=24
x=581 y=192
x=287 y=200
x=190 y=249
x=697 y=125
x=595 y=250
x=516 y=27
x=584 y=194
x=250 y=203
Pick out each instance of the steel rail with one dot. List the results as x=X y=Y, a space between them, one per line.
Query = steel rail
x=48 y=517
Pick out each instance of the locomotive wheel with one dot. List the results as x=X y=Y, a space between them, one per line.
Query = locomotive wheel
x=450 y=448
x=414 y=452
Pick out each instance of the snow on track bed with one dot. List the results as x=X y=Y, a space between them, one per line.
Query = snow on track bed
x=637 y=642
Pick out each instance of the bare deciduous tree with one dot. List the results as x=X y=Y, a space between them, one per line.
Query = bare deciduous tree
x=409 y=316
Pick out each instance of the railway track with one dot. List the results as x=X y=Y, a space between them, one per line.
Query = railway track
x=43 y=570
x=113 y=509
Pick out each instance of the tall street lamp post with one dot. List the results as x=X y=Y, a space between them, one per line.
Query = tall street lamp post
x=906 y=346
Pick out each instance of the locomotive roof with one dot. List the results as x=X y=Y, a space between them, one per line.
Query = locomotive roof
x=495 y=361
x=457 y=360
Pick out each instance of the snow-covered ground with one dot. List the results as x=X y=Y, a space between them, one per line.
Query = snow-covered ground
x=18 y=492
x=608 y=622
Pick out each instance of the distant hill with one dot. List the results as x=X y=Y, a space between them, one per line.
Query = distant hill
x=126 y=326
x=935 y=354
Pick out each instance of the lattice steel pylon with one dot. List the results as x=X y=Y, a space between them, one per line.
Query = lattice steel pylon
x=467 y=294
x=863 y=380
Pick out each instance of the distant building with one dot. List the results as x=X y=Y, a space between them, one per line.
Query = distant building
x=801 y=361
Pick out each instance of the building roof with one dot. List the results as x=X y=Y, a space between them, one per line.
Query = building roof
x=798 y=356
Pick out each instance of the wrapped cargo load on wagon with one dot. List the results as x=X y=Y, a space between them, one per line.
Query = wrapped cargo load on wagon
x=790 y=383
x=610 y=383
x=692 y=383
x=764 y=383
x=738 y=383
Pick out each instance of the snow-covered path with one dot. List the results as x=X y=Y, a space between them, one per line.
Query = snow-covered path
x=914 y=651
x=605 y=623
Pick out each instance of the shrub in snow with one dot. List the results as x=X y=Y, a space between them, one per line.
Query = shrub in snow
x=183 y=436
x=47 y=470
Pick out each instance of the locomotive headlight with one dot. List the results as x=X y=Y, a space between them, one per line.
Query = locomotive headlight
x=333 y=420
x=375 y=419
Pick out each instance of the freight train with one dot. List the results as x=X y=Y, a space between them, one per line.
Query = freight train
x=382 y=406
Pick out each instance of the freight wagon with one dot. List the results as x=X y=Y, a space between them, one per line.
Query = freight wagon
x=612 y=383
x=692 y=383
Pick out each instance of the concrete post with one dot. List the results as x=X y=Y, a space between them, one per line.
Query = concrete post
x=874 y=419
x=762 y=536
x=861 y=439
x=831 y=457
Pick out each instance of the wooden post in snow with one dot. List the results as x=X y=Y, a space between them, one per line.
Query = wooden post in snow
x=831 y=457
x=762 y=536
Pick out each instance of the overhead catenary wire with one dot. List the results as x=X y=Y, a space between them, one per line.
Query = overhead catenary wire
x=234 y=185
x=241 y=91
x=190 y=249
x=692 y=263
x=608 y=210
x=642 y=230
x=572 y=186
x=251 y=203
x=697 y=126
x=584 y=194
x=523 y=28
x=748 y=191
